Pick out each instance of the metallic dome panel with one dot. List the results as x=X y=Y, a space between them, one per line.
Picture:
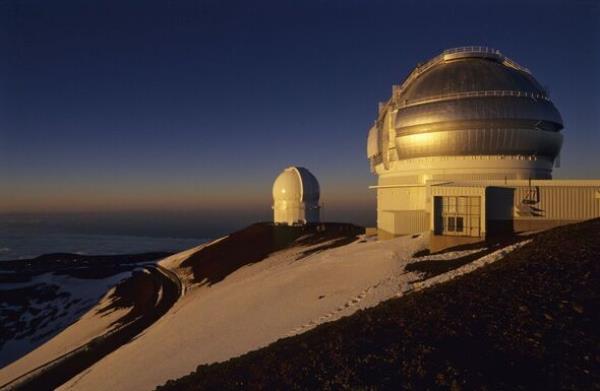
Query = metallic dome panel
x=523 y=142
x=469 y=74
x=499 y=111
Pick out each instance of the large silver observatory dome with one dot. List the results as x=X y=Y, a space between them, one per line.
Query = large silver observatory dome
x=470 y=101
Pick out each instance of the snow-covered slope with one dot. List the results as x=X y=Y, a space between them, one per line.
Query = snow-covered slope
x=284 y=294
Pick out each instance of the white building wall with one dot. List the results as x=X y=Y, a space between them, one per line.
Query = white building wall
x=402 y=210
x=557 y=202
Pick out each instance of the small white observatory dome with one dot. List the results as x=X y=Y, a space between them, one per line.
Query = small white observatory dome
x=296 y=197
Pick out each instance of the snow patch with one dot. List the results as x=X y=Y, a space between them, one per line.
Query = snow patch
x=449 y=255
x=469 y=267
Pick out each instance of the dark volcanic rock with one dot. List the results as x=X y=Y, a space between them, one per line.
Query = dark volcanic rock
x=254 y=243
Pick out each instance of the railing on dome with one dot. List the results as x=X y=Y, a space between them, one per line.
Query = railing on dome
x=472 y=49
x=485 y=50
x=463 y=49
x=472 y=94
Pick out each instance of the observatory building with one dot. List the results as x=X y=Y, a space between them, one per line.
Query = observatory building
x=465 y=147
x=296 y=197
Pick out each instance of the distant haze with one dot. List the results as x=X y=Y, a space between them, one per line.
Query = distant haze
x=190 y=223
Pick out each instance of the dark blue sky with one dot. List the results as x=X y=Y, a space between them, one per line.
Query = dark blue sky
x=197 y=105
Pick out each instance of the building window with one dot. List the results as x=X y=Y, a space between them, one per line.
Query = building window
x=451 y=224
x=458 y=215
